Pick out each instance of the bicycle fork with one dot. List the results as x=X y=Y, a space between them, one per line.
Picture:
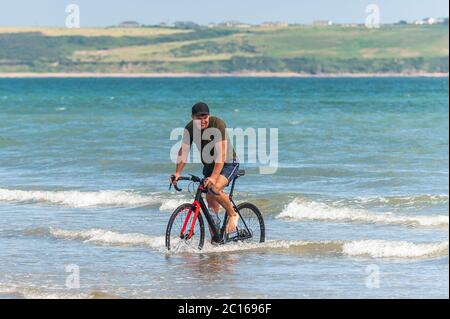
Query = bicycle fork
x=186 y=221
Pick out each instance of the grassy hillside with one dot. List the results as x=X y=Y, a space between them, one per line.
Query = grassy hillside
x=300 y=49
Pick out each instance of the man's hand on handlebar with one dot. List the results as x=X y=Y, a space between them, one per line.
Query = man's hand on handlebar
x=173 y=179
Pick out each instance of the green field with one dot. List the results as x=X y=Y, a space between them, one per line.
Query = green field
x=300 y=49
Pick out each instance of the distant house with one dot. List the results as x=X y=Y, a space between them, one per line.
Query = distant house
x=129 y=24
x=274 y=24
x=234 y=24
x=350 y=25
x=429 y=21
x=322 y=23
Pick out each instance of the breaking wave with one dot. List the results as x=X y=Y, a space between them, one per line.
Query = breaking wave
x=80 y=199
x=309 y=210
x=362 y=248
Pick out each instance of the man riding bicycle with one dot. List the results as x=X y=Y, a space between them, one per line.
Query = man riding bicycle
x=208 y=133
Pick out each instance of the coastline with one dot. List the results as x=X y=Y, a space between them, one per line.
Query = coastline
x=217 y=75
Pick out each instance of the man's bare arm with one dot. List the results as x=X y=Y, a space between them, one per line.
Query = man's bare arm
x=183 y=154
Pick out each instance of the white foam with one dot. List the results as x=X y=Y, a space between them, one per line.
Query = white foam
x=170 y=205
x=308 y=210
x=405 y=200
x=79 y=199
x=363 y=248
x=30 y=291
x=107 y=237
x=15 y=291
x=394 y=249
x=178 y=247
x=268 y=245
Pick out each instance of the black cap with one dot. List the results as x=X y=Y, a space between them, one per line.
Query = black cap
x=200 y=109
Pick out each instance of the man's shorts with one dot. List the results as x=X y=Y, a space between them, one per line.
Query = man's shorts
x=229 y=171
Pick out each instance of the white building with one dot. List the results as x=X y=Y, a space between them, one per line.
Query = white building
x=234 y=24
x=429 y=21
x=274 y=24
x=323 y=23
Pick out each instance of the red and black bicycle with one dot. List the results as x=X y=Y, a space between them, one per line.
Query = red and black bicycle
x=186 y=225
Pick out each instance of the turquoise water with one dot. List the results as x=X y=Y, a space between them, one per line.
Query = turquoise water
x=362 y=185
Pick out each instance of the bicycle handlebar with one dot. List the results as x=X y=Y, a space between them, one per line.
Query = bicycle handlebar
x=183 y=178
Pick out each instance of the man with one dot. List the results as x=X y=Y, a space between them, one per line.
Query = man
x=217 y=155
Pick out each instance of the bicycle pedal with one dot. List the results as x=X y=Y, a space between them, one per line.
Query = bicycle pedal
x=234 y=236
x=243 y=233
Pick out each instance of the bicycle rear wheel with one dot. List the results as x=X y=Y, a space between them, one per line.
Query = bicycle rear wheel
x=252 y=218
x=175 y=239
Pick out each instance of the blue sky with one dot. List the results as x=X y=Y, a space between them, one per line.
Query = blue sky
x=103 y=13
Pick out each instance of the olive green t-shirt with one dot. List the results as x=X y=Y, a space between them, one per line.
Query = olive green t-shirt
x=219 y=128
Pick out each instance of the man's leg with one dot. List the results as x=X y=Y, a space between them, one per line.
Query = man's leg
x=225 y=202
x=213 y=205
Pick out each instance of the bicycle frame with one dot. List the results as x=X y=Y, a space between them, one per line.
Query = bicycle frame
x=199 y=204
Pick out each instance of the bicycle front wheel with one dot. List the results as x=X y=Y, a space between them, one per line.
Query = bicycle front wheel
x=251 y=219
x=176 y=238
